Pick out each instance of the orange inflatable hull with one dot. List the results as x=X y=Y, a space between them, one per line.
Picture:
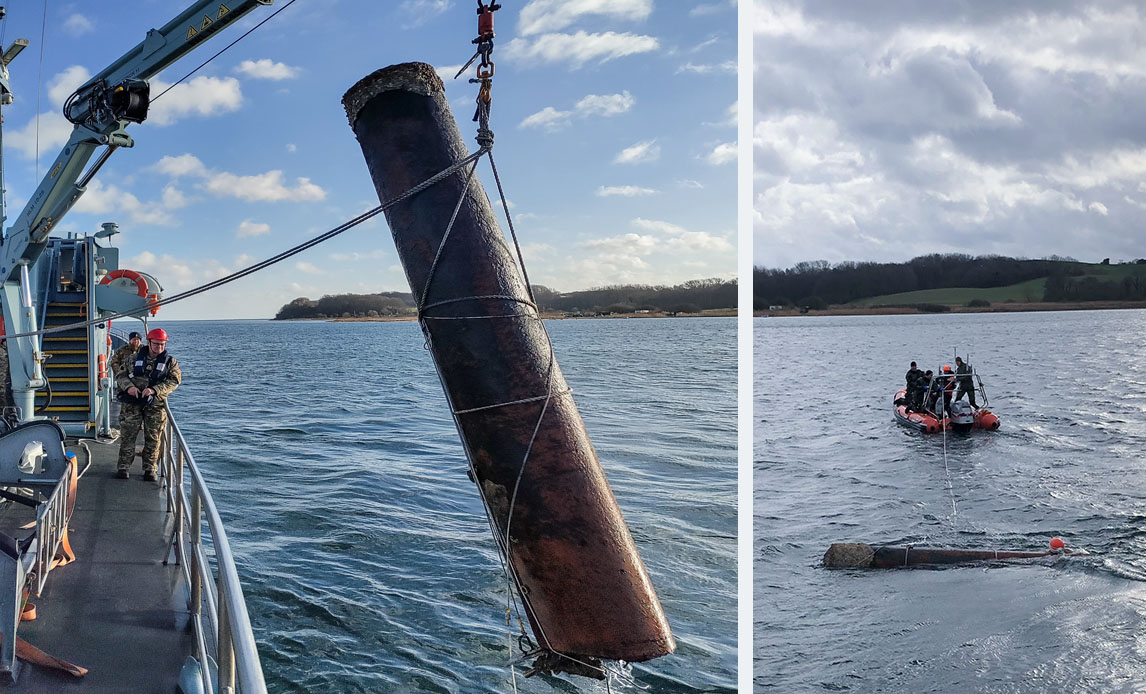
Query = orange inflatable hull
x=929 y=423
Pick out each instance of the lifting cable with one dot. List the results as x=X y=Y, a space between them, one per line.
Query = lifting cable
x=223 y=50
x=485 y=72
x=484 y=138
x=40 y=84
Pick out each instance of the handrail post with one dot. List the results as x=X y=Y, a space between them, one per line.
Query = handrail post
x=226 y=654
x=176 y=483
x=196 y=543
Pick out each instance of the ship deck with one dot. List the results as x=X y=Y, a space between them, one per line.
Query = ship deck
x=117 y=610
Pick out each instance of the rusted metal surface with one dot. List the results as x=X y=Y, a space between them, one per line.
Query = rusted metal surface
x=857 y=555
x=587 y=591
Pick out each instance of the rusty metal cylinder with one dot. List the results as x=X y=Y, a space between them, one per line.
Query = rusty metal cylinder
x=857 y=555
x=586 y=590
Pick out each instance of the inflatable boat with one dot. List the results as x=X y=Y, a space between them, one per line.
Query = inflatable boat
x=961 y=417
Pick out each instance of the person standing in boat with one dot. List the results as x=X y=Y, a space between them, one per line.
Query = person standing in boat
x=966 y=385
x=915 y=386
x=946 y=385
x=123 y=357
x=143 y=390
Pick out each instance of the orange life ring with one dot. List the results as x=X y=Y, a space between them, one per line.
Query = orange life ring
x=140 y=282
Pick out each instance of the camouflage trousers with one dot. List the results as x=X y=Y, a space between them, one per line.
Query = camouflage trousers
x=153 y=419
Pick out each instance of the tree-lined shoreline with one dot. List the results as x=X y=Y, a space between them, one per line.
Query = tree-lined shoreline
x=695 y=297
x=952 y=282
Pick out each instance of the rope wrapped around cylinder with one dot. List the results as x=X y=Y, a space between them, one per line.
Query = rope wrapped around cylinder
x=584 y=587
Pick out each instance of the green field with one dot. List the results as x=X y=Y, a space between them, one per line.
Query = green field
x=1029 y=291
x=1024 y=292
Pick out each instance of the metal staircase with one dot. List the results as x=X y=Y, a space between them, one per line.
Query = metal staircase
x=66 y=365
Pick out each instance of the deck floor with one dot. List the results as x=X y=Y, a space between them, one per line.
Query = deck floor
x=117 y=610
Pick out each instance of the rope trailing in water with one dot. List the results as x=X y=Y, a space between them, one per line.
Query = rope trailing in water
x=947 y=470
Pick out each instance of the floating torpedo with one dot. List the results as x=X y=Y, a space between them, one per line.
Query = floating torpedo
x=585 y=590
x=857 y=555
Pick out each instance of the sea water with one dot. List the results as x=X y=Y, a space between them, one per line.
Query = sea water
x=363 y=548
x=831 y=465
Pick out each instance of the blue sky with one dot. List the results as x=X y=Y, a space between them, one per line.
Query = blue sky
x=615 y=132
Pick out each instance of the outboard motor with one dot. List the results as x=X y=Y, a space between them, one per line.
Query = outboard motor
x=962 y=416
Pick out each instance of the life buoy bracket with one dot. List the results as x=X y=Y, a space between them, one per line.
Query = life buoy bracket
x=140 y=281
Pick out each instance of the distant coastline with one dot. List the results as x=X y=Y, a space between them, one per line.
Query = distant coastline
x=1015 y=307
x=547 y=315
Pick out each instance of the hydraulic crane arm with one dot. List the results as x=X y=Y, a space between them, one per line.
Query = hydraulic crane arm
x=101 y=110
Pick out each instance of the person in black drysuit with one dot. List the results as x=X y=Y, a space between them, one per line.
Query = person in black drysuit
x=915 y=386
x=930 y=390
x=945 y=384
x=963 y=372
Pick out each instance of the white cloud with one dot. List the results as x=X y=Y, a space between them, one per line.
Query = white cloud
x=63 y=84
x=552 y=15
x=244 y=260
x=637 y=244
x=375 y=254
x=700 y=242
x=77 y=25
x=722 y=154
x=578 y=49
x=181 y=165
x=624 y=191
x=247 y=229
x=1099 y=208
x=659 y=227
x=53 y=129
x=308 y=268
x=447 y=72
x=177 y=273
x=641 y=152
x=267 y=186
x=108 y=199
x=203 y=96
x=173 y=198
x=266 y=69
x=291 y=148
x=709 y=8
x=418 y=12
x=728 y=66
x=54 y=132
x=606 y=104
x=550 y=118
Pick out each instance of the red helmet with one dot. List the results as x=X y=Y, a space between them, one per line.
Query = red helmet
x=946 y=369
x=158 y=334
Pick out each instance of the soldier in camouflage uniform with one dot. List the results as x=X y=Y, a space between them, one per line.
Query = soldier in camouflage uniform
x=122 y=359
x=966 y=385
x=143 y=391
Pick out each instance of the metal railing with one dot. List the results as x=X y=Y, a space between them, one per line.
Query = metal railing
x=51 y=524
x=940 y=381
x=219 y=614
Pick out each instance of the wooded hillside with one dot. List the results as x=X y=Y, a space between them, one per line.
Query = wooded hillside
x=690 y=297
x=818 y=284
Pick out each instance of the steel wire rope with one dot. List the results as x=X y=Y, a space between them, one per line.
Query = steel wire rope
x=265 y=263
x=40 y=84
x=223 y=50
x=485 y=140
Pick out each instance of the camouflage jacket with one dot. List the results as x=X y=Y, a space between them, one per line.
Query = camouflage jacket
x=163 y=386
x=121 y=360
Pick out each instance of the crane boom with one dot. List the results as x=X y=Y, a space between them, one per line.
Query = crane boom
x=101 y=110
